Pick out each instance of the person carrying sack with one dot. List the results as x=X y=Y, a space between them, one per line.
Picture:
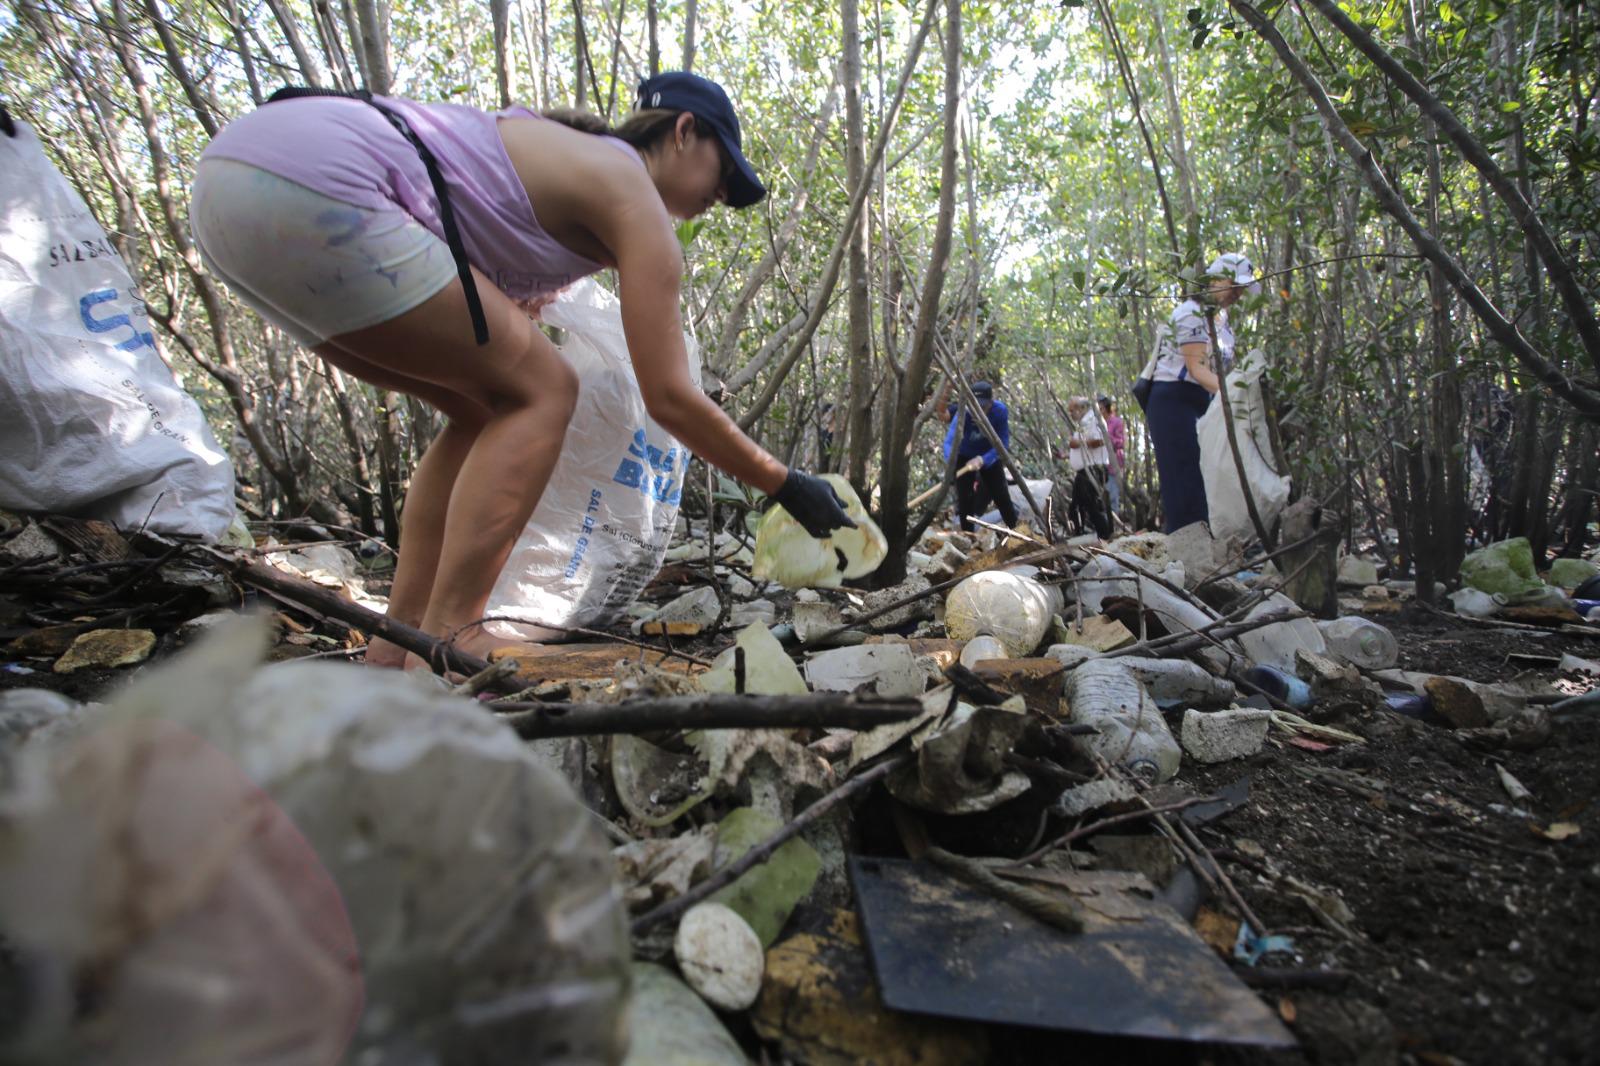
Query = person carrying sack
x=343 y=221
x=1183 y=383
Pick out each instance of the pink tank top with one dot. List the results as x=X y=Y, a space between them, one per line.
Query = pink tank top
x=347 y=150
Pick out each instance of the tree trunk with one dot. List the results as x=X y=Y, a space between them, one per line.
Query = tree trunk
x=691 y=15
x=896 y=446
x=652 y=23
x=500 y=17
x=291 y=33
x=858 y=345
x=374 y=45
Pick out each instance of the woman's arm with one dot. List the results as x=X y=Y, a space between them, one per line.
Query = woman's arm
x=1197 y=357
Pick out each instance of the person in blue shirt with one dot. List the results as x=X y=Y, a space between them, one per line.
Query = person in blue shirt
x=980 y=476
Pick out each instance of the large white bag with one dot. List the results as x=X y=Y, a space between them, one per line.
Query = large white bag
x=91 y=421
x=1230 y=517
x=608 y=513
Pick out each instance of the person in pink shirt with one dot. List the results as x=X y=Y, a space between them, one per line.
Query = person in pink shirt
x=407 y=243
x=1117 y=433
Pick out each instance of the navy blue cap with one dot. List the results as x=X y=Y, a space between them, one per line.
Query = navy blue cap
x=983 y=390
x=678 y=90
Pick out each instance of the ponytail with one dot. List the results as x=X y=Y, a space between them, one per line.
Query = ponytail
x=643 y=129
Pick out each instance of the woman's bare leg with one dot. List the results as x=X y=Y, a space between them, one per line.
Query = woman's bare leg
x=478 y=484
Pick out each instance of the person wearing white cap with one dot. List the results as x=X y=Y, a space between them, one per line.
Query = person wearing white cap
x=1183 y=384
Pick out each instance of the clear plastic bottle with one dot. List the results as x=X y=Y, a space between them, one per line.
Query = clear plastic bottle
x=1360 y=642
x=1104 y=693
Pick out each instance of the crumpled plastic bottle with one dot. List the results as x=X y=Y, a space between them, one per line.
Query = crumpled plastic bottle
x=1361 y=642
x=1104 y=693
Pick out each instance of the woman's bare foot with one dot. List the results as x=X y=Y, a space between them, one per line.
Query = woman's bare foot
x=385 y=655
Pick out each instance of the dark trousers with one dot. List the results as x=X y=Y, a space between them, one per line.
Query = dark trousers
x=974 y=492
x=1172 y=417
x=1089 y=508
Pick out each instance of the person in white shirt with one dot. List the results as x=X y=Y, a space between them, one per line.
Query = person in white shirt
x=1184 y=383
x=1088 y=452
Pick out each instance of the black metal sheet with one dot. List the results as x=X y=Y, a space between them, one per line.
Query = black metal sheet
x=941 y=947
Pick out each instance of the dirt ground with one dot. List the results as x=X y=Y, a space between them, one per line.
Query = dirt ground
x=1470 y=938
x=1474 y=939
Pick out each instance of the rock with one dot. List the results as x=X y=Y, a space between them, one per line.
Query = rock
x=1356 y=572
x=107 y=648
x=820 y=1005
x=1198 y=551
x=1070 y=655
x=30 y=545
x=910 y=614
x=812 y=619
x=945 y=563
x=756 y=612
x=1037 y=681
x=700 y=605
x=891 y=670
x=1093 y=796
x=1456 y=703
x=1098 y=634
x=1148 y=547
x=1218 y=736
x=720 y=956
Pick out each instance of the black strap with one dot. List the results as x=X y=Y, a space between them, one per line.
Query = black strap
x=447 y=215
x=7 y=127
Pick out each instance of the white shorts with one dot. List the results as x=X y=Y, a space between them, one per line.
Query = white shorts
x=313 y=266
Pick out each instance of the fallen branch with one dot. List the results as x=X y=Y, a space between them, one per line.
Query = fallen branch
x=763 y=851
x=441 y=655
x=1174 y=645
x=534 y=721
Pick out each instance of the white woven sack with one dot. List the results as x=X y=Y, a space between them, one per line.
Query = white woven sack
x=91 y=421
x=607 y=516
x=1230 y=517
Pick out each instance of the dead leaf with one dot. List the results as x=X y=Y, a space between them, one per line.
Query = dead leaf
x=1286 y=1010
x=1218 y=930
x=1557 y=831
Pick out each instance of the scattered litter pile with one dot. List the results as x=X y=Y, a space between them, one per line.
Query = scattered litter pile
x=974 y=817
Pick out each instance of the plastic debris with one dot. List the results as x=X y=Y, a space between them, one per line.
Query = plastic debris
x=1360 y=642
x=891 y=669
x=1179 y=681
x=1570 y=574
x=1016 y=610
x=1218 y=736
x=812 y=618
x=768 y=670
x=325 y=859
x=960 y=766
x=981 y=648
x=1104 y=576
x=1275 y=645
x=766 y=894
x=1280 y=685
x=1356 y=572
x=655 y=870
x=1504 y=569
x=1104 y=693
x=1475 y=603
x=787 y=554
x=1096 y=633
x=720 y=956
x=1093 y=796
x=671 y=1026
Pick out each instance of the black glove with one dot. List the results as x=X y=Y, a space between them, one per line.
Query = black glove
x=813 y=503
